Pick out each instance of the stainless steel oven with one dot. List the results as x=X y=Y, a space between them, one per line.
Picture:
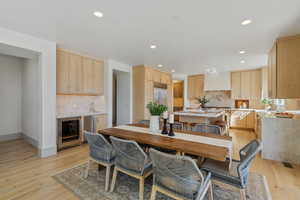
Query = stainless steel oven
x=69 y=132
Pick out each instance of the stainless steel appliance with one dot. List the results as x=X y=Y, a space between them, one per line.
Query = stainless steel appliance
x=160 y=93
x=69 y=132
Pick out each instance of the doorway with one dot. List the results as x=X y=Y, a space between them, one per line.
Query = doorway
x=121 y=98
x=178 y=95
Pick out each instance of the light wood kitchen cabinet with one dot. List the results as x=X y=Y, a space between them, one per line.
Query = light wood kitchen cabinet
x=144 y=79
x=246 y=84
x=195 y=86
x=242 y=119
x=78 y=74
x=101 y=122
x=284 y=68
x=235 y=85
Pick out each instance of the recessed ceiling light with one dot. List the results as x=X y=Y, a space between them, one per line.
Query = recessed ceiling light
x=173 y=71
x=242 y=52
x=153 y=46
x=160 y=65
x=246 y=22
x=98 y=14
x=242 y=61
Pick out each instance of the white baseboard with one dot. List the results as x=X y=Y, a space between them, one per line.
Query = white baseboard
x=30 y=140
x=47 y=152
x=12 y=136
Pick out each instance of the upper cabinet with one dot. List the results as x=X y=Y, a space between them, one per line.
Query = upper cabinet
x=246 y=84
x=284 y=68
x=195 y=86
x=79 y=75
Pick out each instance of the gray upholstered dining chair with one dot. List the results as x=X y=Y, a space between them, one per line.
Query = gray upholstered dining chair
x=179 y=177
x=237 y=175
x=101 y=152
x=144 y=122
x=206 y=128
x=131 y=160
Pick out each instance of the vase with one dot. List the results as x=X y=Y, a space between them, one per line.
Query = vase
x=154 y=123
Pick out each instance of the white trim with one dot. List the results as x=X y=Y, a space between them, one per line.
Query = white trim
x=12 y=136
x=47 y=152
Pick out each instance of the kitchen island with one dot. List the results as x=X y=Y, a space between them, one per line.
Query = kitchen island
x=281 y=139
x=208 y=116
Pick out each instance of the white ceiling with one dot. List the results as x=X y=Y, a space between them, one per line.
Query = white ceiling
x=191 y=35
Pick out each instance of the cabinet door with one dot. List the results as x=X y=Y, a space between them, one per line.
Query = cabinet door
x=148 y=97
x=236 y=85
x=101 y=122
x=156 y=76
x=255 y=84
x=195 y=86
x=236 y=121
x=165 y=78
x=149 y=74
x=246 y=85
x=62 y=72
x=272 y=72
x=170 y=97
x=98 y=68
x=88 y=76
x=250 y=120
x=75 y=74
x=288 y=68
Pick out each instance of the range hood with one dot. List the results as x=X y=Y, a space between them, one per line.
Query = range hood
x=217 y=81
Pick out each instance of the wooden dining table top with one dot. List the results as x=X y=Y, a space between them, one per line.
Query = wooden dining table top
x=193 y=148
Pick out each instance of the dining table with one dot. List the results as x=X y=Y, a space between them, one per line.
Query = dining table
x=207 y=145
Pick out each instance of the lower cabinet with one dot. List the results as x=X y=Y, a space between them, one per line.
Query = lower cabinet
x=242 y=119
x=101 y=122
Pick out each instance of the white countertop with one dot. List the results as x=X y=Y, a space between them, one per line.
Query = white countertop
x=207 y=114
x=67 y=115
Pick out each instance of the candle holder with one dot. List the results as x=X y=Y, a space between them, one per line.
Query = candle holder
x=165 y=129
x=171 y=132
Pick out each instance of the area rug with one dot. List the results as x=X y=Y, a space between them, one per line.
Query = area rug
x=127 y=188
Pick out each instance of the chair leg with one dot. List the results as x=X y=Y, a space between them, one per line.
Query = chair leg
x=141 y=188
x=153 y=192
x=210 y=192
x=113 y=182
x=107 y=176
x=243 y=194
x=87 y=169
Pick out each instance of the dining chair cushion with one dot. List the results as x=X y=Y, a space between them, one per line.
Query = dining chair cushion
x=220 y=171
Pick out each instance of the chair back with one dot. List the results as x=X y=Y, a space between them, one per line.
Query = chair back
x=247 y=154
x=129 y=155
x=205 y=128
x=100 y=149
x=145 y=122
x=179 y=174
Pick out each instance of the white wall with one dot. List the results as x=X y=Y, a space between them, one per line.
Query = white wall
x=111 y=65
x=123 y=99
x=10 y=91
x=31 y=100
x=47 y=61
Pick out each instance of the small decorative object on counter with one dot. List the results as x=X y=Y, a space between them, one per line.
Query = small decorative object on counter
x=202 y=100
x=155 y=110
x=267 y=103
x=165 y=118
x=171 y=121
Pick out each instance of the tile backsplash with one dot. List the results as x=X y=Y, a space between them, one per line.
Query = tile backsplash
x=79 y=104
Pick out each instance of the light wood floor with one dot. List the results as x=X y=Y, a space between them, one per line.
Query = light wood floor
x=25 y=176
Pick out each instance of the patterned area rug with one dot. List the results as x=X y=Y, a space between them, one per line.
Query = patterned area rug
x=127 y=188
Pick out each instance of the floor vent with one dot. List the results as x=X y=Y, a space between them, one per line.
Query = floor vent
x=287 y=165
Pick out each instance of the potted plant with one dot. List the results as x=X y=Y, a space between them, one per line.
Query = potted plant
x=155 y=110
x=202 y=100
x=267 y=103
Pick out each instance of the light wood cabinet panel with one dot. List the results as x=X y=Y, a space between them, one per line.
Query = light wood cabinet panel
x=244 y=122
x=62 y=72
x=195 y=86
x=288 y=68
x=250 y=120
x=235 y=85
x=98 y=67
x=88 y=74
x=156 y=75
x=101 y=122
x=255 y=84
x=165 y=78
x=245 y=85
x=75 y=73
x=284 y=68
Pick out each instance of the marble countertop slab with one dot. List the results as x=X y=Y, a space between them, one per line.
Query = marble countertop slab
x=207 y=114
x=67 y=115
